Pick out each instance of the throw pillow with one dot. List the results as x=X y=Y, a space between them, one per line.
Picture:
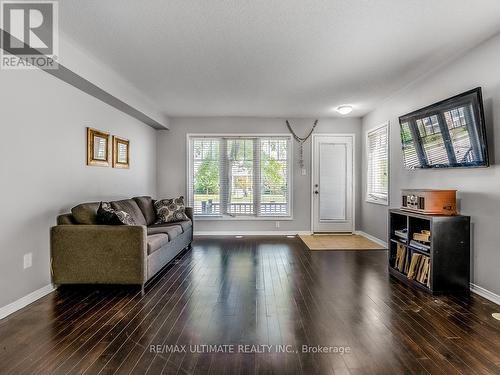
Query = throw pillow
x=170 y=210
x=108 y=216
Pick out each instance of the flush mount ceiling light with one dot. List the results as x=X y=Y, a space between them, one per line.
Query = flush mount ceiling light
x=344 y=109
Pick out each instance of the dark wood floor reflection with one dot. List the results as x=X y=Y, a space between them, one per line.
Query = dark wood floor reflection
x=255 y=291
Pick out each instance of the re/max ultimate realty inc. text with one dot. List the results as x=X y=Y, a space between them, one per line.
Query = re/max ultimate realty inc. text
x=248 y=348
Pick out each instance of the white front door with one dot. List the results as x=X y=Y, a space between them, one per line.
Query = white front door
x=333 y=183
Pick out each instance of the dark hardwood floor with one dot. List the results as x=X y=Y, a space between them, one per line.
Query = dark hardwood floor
x=255 y=291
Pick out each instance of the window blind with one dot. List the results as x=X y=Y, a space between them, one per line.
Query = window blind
x=240 y=176
x=378 y=165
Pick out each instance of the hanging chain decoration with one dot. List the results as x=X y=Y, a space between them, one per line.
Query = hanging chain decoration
x=301 y=141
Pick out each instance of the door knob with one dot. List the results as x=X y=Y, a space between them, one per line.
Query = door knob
x=316 y=192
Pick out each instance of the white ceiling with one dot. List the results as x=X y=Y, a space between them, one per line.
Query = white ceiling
x=275 y=58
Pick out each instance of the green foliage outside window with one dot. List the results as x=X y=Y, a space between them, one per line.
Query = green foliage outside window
x=207 y=178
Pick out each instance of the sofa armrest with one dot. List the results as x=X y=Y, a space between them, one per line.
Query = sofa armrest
x=104 y=254
x=189 y=213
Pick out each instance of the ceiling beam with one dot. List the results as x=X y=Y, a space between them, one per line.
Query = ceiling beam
x=74 y=79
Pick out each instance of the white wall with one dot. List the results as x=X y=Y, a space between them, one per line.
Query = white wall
x=172 y=163
x=478 y=189
x=43 y=171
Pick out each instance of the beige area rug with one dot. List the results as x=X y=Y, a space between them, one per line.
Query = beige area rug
x=339 y=242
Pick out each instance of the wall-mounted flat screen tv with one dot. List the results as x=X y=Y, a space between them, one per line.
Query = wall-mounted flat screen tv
x=448 y=134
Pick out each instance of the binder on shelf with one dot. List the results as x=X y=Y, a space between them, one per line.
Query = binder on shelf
x=400 y=263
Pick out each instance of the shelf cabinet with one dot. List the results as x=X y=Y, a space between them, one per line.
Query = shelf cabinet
x=448 y=251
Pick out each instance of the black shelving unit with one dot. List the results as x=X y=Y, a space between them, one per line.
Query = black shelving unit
x=449 y=250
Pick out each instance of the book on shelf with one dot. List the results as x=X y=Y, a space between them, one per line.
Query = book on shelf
x=419 y=269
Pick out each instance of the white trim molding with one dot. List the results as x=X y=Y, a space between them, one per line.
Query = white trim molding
x=25 y=301
x=372 y=238
x=252 y=233
x=485 y=293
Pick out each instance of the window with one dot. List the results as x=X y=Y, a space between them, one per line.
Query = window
x=378 y=165
x=428 y=126
x=459 y=133
x=239 y=176
x=410 y=154
x=431 y=138
x=447 y=136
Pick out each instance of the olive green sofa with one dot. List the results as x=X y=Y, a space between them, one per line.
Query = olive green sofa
x=84 y=252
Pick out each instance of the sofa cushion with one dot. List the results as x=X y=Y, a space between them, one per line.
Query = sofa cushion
x=146 y=205
x=107 y=215
x=86 y=213
x=171 y=230
x=156 y=241
x=130 y=207
x=66 y=219
x=170 y=210
x=185 y=225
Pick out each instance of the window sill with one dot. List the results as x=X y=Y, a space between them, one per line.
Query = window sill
x=242 y=218
x=379 y=202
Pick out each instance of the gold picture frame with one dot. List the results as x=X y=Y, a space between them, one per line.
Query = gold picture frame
x=97 y=148
x=121 y=153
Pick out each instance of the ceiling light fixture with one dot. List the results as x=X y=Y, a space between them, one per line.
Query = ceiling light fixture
x=344 y=109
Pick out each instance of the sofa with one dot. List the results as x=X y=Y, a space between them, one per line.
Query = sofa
x=84 y=252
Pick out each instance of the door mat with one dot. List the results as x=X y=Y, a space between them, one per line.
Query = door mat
x=339 y=242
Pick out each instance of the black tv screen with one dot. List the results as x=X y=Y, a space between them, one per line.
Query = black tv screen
x=448 y=134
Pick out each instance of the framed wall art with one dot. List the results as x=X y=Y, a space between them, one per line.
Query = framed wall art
x=97 y=148
x=121 y=152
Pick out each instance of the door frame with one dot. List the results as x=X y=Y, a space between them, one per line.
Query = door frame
x=354 y=195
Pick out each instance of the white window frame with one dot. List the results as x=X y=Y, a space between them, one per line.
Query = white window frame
x=222 y=217
x=370 y=198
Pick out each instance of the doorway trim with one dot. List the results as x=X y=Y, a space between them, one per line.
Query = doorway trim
x=354 y=182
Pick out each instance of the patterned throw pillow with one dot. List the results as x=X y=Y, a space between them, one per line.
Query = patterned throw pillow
x=170 y=210
x=106 y=215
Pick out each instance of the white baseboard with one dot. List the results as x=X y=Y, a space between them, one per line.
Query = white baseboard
x=25 y=301
x=278 y=233
x=495 y=298
x=372 y=238
x=251 y=233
